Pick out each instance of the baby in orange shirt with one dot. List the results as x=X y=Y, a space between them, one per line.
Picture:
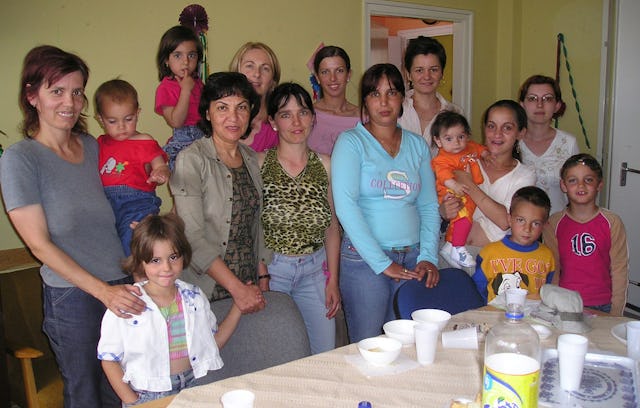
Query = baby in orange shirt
x=450 y=132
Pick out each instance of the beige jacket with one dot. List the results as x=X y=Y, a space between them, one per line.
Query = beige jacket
x=202 y=191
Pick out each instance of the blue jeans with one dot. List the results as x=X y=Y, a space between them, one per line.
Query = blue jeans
x=130 y=204
x=368 y=298
x=72 y=320
x=178 y=383
x=302 y=278
x=182 y=137
x=603 y=308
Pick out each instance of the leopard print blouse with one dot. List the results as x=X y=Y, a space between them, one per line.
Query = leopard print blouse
x=296 y=210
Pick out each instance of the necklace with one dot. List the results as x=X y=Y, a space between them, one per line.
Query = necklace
x=391 y=148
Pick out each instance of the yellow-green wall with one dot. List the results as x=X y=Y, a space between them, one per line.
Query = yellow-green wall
x=512 y=39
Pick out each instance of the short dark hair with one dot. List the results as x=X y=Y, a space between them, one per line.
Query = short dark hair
x=584 y=159
x=330 y=51
x=170 y=40
x=153 y=228
x=42 y=66
x=447 y=119
x=520 y=116
x=117 y=90
x=533 y=195
x=539 y=80
x=282 y=93
x=220 y=85
x=372 y=76
x=422 y=46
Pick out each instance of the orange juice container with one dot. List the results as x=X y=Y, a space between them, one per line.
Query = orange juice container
x=511 y=363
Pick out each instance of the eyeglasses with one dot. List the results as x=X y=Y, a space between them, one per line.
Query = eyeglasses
x=548 y=98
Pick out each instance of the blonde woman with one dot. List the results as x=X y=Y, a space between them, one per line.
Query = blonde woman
x=259 y=64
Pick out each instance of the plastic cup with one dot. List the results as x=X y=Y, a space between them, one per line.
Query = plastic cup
x=572 y=348
x=633 y=340
x=462 y=339
x=238 y=399
x=436 y=316
x=426 y=342
x=517 y=296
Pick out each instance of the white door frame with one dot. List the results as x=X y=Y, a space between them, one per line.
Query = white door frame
x=462 y=40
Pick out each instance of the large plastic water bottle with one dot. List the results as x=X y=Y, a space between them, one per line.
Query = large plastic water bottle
x=511 y=363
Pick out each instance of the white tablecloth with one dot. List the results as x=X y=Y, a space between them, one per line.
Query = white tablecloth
x=328 y=380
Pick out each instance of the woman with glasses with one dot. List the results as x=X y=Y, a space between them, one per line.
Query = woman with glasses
x=385 y=198
x=544 y=147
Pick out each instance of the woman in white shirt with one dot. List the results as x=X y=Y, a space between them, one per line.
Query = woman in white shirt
x=424 y=62
x=544 y=147
x=504 y=124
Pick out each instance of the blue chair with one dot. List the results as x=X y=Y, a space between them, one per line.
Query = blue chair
x=455 y=293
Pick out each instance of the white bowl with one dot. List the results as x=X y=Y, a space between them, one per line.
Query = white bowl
x=401 y=329
x=437 y=316
x=380 y=351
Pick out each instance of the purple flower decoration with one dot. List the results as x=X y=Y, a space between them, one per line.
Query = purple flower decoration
x=195 y=16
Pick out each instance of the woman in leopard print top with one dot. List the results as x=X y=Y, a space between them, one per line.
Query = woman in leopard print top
x=300 y=225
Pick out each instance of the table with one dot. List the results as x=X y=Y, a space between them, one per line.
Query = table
x=328 y=380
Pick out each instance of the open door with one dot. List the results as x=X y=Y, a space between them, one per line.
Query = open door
x=462 y=31
x=624 y=125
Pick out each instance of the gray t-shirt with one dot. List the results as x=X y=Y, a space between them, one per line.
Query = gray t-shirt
x=79 y=217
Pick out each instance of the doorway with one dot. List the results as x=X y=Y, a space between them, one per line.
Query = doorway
x=621 y=148
x=459 y=23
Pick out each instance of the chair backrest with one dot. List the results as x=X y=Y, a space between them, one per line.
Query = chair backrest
x=273 y=336
x=455 y=293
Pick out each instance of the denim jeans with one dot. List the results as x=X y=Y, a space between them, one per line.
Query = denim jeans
x=603 y=308
x=302 y=278
x=368 y=298
x=72 y=320
x=130 y=204
x=178 y=383
x=182 y=137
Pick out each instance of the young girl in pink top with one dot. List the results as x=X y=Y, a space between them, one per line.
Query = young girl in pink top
x=589 y=242
x=178 y=95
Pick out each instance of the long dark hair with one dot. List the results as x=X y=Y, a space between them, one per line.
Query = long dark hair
x=519 y=113
x=170 y=40
x=370 y=79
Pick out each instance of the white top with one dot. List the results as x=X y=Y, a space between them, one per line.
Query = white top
x=501 y=191
x=411 y=121
x=548 y=165
x=141 y=344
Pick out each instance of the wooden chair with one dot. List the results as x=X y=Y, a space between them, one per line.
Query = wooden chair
x=34 y=379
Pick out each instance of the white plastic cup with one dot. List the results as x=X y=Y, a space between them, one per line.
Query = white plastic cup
x=238 y=399
x=633 y=339
x=436 y=316
x=572 y=349
x=462 y=339
x=426 y=342
x=517 y=296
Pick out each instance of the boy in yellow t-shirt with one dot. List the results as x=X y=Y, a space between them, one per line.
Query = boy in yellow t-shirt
x=519 y=259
